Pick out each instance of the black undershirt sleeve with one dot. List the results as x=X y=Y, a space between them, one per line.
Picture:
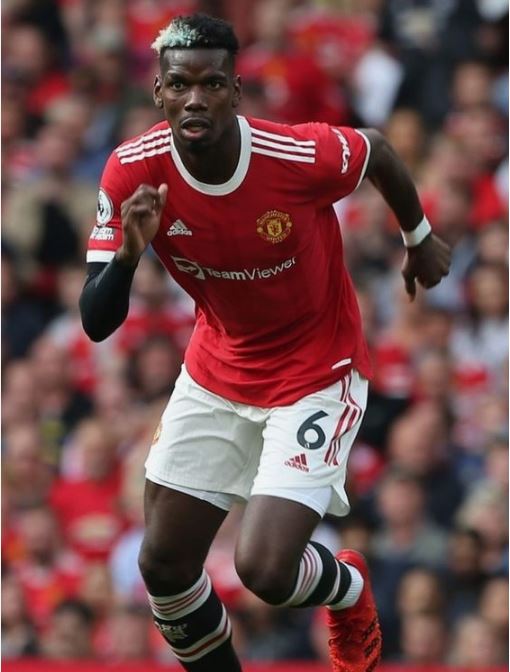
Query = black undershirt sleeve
x=104 y=300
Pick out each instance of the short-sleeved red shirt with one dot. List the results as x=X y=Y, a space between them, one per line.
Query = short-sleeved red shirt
x=261 y=255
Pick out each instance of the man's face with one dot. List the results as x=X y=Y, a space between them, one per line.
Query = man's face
x=198 y=92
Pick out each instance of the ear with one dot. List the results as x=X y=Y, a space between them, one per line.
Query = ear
x=156 y=93
x=236 y=98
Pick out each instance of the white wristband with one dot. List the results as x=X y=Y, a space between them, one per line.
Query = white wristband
x=417 y=235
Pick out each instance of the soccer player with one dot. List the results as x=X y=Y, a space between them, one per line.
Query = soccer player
x=274 y=384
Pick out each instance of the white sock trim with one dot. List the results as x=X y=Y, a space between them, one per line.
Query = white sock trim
x=173 y=607
x=351 y=596
x=310 y=572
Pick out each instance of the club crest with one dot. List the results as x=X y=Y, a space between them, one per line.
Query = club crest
x=274 y=226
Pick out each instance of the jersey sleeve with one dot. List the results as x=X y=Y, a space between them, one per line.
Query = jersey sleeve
x=117 y=183
x=342 y=155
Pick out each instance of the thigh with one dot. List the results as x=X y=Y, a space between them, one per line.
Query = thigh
x=274 y=533
x=307 y=444
x=179 y=526
x=203 y=443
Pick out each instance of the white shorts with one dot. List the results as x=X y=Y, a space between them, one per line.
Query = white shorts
x=210 y=444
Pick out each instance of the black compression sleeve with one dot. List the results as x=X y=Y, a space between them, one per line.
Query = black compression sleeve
x=104 y=300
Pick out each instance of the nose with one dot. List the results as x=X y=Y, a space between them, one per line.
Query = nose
x=196 y=100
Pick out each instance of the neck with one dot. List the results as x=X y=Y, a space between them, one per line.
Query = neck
x=215 y=164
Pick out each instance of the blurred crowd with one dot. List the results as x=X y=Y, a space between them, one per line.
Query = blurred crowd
x=428 y=476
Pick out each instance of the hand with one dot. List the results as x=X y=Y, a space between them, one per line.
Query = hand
x=141 y=216
x=428 y=263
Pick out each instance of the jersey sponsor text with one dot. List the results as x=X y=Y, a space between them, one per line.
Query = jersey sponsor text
x=202 y=272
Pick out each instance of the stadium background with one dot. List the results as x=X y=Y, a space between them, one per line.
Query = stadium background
x=428 y=477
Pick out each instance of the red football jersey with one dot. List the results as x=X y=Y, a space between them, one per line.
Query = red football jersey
x=261 y=255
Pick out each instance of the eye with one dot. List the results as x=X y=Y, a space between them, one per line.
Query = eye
x=176 y=85
x=214 y=85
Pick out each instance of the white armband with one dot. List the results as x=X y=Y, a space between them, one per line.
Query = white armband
x=417 y=235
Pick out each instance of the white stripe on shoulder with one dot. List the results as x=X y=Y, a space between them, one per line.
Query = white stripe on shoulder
x=367 y=157
x=100 y=255
x=282 y=138
x=282 y=155
x=281 y=146
x=144 y=147
x=145 y=155
x=144 y=138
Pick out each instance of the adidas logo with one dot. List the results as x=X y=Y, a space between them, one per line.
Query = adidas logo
x=179 y=228
x=298 y=462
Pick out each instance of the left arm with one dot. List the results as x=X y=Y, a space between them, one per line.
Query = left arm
x=427 y=258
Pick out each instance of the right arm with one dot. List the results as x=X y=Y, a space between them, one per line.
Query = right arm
x=104 y=301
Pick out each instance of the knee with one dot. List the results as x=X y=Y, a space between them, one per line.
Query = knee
x=167 y=571
x=268 y=579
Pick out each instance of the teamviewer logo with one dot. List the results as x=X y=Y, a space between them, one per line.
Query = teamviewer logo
x=191 y=267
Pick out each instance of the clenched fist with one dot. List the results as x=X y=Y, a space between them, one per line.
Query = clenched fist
x=427 y=263
x=141 y=216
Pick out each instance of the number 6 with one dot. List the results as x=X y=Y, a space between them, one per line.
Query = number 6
x=309 y=424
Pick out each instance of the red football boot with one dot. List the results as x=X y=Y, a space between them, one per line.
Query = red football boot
x=355 y=641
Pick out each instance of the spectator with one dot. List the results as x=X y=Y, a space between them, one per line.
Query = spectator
x=59 y=405
x=19 y=638
x=494 y=605
x=420 y=591
x=127 y=581
x=496 y=464
x=114 y=405
x=418 y=444
x=47 y=571
x=424 y=639
x=486 y=511
x=55 y=207
x=464 y=573
x=471 y=85
x=76 y=117
x=129 y=633
x=29 y=57
x=399 y=342
x=22 y=316
x=493 y=244
x=406 y=133
x=285 y=71
x=69 y=632
x=19 y=399
x=476 y=644
x=66 y=332
x=96 y=592
x=434 y=378
x=85 y=498
x=270 y=634
x=482 y=341
x=27 y=474
x=154 y=368
x=406 y=534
